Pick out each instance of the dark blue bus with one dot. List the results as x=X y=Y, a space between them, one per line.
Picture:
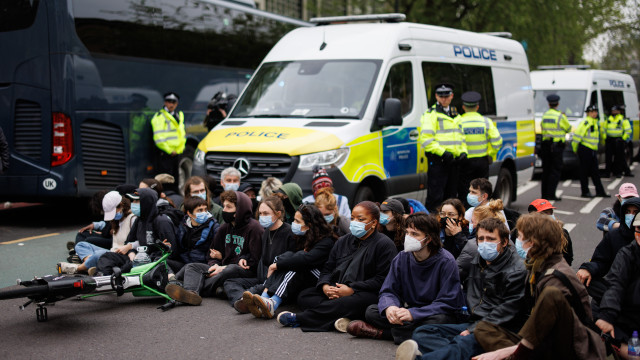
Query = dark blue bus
x=80 y=80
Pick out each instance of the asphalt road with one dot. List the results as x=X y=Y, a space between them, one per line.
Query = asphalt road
x=32 y=240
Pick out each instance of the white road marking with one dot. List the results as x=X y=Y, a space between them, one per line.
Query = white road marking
x=590 y=205
x=575 y=198
x=562 y=212
x=567 y=183
x=569 y=226
x=614 y=184
x=526 y=187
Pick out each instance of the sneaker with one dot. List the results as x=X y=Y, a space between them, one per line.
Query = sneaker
x=74 y=259
x=71 y=245
x=178 y=293
x=408 y=350
x=67 y=268
x=287 y=318
x=341 y=324
x=359 y=328
x=265 y=305
x=240 y=306
x=247 y=298
x=92 y=271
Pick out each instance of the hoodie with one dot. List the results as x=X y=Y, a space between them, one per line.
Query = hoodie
x=151 y=227
x=241 y=239
x=613 y=240
x=294 y=194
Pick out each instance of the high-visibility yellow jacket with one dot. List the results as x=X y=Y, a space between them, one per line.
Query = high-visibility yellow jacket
x=441 y=133
x=481 y=135
x=587 y=134
x=554 y=126
x=617 y=127
x=169 y=133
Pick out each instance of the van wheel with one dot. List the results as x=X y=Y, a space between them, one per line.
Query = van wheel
x=504 y=186
x=186 y=164
x=364 y=193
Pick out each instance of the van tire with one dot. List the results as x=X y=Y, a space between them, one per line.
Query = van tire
x=504 y=186
x=364 y=193
x=186 y=165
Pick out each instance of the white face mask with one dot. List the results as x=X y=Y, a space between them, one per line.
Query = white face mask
x=412 y=244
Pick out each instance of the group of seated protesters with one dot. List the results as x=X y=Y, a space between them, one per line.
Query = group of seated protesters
x=458 y=284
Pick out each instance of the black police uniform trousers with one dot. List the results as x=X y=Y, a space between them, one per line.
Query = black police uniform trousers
x=615 y=156
x=589 y=168
x=551 y=167
x=168 y=164
x=471 y=168
x=442 y=181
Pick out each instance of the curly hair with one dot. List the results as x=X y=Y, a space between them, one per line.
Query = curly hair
x=318 y=227
x=545 y=234
x=493 y=209
x=429 y=225
x=324 y=197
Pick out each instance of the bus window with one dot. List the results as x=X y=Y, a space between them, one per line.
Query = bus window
x=17 y=14
x=610 y=98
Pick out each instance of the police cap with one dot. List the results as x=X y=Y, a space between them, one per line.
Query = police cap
x=471 y=98
x=553 y=98
x=617 y=107
x=592 y=107
x=171 y=96
x=444 y=89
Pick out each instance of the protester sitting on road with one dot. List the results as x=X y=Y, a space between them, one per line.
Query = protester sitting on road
x=117 y=211
x=292 y=272
x=494 y=290
x=480 y=191
x=171 y=190
x=236 y=250
x=454 y=228
x=163 y=200
x=196 y=186
x=618 y=313
x=422 y=287
x=268 y=187
x=544 y=207
x=326 y=203
x=229 y=181
x=591 y=273
x=195 y=235
x=322 y=180
x=250 y=191
x=97 y=233
x=351 y=279
x=276 y=239
x=392 y=222
x=609 y=218
x=291 y=196
x=554 y=330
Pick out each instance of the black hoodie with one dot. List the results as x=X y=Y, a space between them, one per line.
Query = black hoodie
x=150 y=226
x=242 y=240
x=613 y=240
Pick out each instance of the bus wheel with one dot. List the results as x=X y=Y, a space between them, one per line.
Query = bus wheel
x=364 y=193
x=504 y=186
x=186 y=163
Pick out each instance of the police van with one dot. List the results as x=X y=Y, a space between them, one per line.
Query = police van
x=579 y=87
x=348 y=96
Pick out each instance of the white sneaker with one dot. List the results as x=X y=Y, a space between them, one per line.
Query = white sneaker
x=408 y=350
x=67 y=268
x=265 y=305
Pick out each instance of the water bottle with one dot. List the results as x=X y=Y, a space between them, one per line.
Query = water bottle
x=633 y=349
x=141 y=257
x=464 y=315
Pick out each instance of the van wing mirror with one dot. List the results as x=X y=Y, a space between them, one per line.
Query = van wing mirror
x=392 y=113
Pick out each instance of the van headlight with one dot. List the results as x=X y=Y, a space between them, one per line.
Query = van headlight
x=332 y=158
x=198 y=158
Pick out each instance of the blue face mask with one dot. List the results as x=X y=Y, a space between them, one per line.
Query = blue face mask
x=470 y=228
x=135 y=209
x=297 y=229
x=628 y=219
x=488 y=250
x=329 y=218
x=473 y=200
x=521 y=251
x=231 y=186
x=358 y=229
x=266 y=221
x=202 y=217
x=553 y=216
x=384 y=219
x=203 y=195
x=118 y=216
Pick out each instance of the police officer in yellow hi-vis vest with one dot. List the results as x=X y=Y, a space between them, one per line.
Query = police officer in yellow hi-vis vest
x=443 y=142
x=585 y=143
x=617 y=130
x=169 y=135
x=554 y=128
x=483 y=142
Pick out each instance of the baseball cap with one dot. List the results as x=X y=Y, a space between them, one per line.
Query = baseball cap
x=109 y=204
x=393 y=205
x=540 y=205
x=627 y=190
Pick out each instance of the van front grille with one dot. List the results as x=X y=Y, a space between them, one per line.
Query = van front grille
x=261 y=166
x=103 y=158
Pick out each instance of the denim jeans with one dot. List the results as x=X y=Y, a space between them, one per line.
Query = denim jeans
x=93 y=252
x=444 y=342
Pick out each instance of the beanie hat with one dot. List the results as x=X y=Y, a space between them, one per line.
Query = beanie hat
x=320 y=180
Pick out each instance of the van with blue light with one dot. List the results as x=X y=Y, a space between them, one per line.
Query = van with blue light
x=348 y=96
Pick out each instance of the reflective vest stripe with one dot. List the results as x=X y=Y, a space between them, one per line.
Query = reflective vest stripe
x=430 y=132
x=478 y=143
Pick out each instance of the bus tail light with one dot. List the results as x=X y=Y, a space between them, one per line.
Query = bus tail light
x=62 y=140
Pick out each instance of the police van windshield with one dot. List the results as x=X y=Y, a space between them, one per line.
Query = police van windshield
x=571 y=101
x=329 y=89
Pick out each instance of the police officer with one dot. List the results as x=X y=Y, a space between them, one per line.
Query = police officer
x=617 y=133
x=169 y=135
x=585 y=143
x=443 y=142
x=554 y=128
x=483 y=142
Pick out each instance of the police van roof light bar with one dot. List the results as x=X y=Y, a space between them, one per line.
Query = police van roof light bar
x=389 y=18
x=564 y=67
x=502 y=34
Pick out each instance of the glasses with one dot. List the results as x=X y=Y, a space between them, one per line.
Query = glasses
x=451 y=215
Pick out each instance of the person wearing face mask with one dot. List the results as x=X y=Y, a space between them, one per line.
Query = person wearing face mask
x=327 y=204
x=494 y=289
x=229 y=181
x=392 y=221
x=559 y=324
x=351 y=278
x=422 y=287
x=291 y=195
x=196 y=186
x=544 y=207
x=453 y=226
x=293 y=272
x=277 y=239
x=234 y=253
x=321 y=180
x=480 y=191
x=609 y=218
x=592 y=272
x=250 y=191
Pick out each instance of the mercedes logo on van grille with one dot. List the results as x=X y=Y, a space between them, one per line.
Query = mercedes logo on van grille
x=243 y=165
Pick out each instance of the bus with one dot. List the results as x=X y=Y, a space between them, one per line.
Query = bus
x=80 y=80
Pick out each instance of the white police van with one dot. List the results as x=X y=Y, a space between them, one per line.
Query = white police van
x=349 y=97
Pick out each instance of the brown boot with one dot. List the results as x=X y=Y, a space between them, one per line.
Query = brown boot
x=178 y=293
x=359 y=328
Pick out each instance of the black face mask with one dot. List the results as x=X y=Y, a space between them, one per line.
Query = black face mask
x=228 y=217
x=443 y=222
